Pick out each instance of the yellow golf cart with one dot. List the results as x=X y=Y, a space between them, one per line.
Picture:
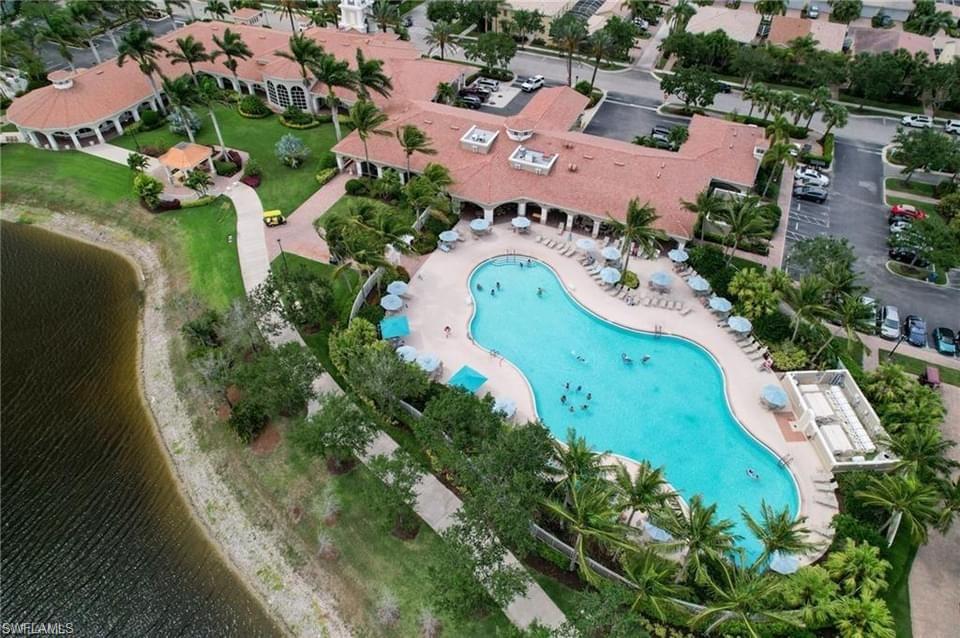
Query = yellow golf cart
x=273 y=218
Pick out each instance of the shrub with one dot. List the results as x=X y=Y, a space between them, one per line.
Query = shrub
x=630 y=279
x=148 y=189
x=552 y=556
x=295 y=118
x=176 y=121
x=583 y=87
x=425 y=242
x=944 y=188
x=253 y=106
x=848 y=526
x=150 y=120
x=251 y=180
x=252 y=169
x=594 y=98
x=788 y=356
x=168 y=204
x=225 y=168
x=5 y=102
x=773 y=328
x=357 y=188
x=291 y=150
x=324 y=118
x=328 y=160
x=153 y=151
x=326 y=175
x=248 y=418
x=235 y=157
x=200 y=201
x=538 y=42
x=796 y=132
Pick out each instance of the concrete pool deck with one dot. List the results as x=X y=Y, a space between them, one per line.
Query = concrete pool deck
x=439 y=297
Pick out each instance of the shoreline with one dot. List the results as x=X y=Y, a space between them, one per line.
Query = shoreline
x=297 y=607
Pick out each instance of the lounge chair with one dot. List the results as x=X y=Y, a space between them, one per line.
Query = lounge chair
x=685 y=312
x=550 y=243
x=832 y=505
x=444 y=248
x=539 y=238
x=623 y=292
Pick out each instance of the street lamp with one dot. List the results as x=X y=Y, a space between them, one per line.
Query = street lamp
x=895 y=346
x=283 y=256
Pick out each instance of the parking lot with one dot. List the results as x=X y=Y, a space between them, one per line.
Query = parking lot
x=623 y=117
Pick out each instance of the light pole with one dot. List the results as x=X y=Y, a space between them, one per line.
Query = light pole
x=283 y=256
x=896 y=345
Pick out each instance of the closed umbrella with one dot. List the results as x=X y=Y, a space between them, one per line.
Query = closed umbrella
x=586 y=244
x=506 y=407
x=784 y=563
x=398 y=288
x=428 y=362
x=720 y=304
x=391 y=303
x=773 y=396
x=520 y=222
x=740 y=324
x=449 y=236
x=610 y=253
x=656 y=533
x=407 y=353
x=660 y=279
x=678 y=255
x=479 y=225
x=698 y=284
x=609 y=275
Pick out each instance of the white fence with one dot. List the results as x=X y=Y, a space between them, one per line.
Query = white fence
x=368 y=285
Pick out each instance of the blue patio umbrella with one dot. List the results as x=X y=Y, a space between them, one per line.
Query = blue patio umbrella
x=661 y=279
x=610 y=275
x=468 y=379
x=407 y=353
x=784 y=563
x=720 y=304
x=428 y=362
x=506 y=407
x=656 y=533
x=610 y=253
x=740 y=324
x=678 y=255
x=774 y=396
x=398 y=288
x=391 y=302
x=479 y=225
x=586 y=244
x=449 y=236
x=393 y=327
x=520 y=222
x=698 y=284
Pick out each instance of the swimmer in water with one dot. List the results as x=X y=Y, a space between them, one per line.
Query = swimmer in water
x=584 y=406
x=645 y=358
x=493 y=293
x=625 y=358
x=479 y=287
x=571 y=408
x=752 y=473
x=498 y=285
x=563 y=399
x=589 y=396
x=539 y=292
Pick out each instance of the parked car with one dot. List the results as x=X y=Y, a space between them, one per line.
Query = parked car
x=487 y=83
x=917 y=121
x=867 y=302
x=812 y=176
x=889 y=322
x=952 y=127
x=813 y=12
x=945 y=341
x=906 y=210
x=764 y=29
x=471 y=101
x=532 y=84
x=811 y=193
x=915 y=331
x=908 y=256
x=641 y=24
x=900 y=224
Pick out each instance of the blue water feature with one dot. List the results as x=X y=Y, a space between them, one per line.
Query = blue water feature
x=671 y=410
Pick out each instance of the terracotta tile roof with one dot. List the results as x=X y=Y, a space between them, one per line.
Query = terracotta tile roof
x=741 y=26
x=592 y=175
x=785 y=29
x=867 y=40
x=829 y=35
x=245 y=14
x=184 y=155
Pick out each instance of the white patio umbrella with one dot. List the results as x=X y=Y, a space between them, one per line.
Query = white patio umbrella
x=610 y=253
x=398 y=288
x=720 y=304
x=506 y=407
x=610 y=275
x=428 y=362
x=449 y=236
x=479 y=225
x=678 y=255
x=740 y=324
x=660 y=279
x=520 y=222
x=391 y=303
x=784 y=563
x=586 y=244
x=698 y=284
x=407 y=353
x=773 y=396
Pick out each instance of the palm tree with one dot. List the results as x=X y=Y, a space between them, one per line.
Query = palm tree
x=182 y=94
x=578 y=461
x=638 y=229
x=84 y=12
x=834 y=115
x=778 y=131
x=654 y=582
x=769 y=8
x=777 y=156
x=679 y=15
x=820 y=97
x=742 y=595
x=440 y=36
x=58 y=28
x=179 y=4
x=189 y=51
x=413 y=140
x=854 y=317
x=909 y=501
x=334 y=74
x=696 y=530
x=590 y=516
x=289 y=8
x=600 y=45
x=217 y=9
x=705 y=205
x=811 y=592
x=858 y=569
x=862 y=617
x=137 y=44
x=758 y=94
x=527 y=23
x=807 y=301
x=370 y=77
x=446 y=93
x=951 y=504
x=306 y=53
x=645 y=492
x=384 y=14
x=232 y=48
x=744 y=220
x=568 y=33
x=367 y=120
x=778 y=531
x=133 y=10
x=922 y=451
x=208 y=94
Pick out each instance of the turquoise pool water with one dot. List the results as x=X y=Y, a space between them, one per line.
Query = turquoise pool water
x=671 y=411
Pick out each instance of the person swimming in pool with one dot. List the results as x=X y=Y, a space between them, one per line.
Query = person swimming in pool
x=752 y=473
x=625 y=357
x=645 y=358
x=479 y=287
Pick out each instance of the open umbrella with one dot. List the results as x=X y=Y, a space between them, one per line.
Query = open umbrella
x=468 y=379
x=660 y=279
x=398 y=288
x=698 y=284
x=586 y=244
x=391 y=302
x=773 y=396
x=449 y=236
x=656 y=533
x=506 y=407
x=395 y=326
x=479 y=225
x=740 y=324
x=720 y=304
x=678 y=255
x=407 y=353
x=428 y=362
x=784 y=563
x=610 y=253
x=520 y=222
x=610 y=275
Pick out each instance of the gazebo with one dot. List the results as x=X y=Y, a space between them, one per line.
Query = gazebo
x=184 y=157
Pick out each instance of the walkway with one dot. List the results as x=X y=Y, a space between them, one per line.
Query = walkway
x=298 y=235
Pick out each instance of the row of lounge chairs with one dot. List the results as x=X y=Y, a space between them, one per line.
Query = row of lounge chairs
x=633 y=297
x=562 y=247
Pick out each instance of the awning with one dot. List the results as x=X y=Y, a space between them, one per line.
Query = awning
x=184 y=156
x=468 y=379
x=698 y=284
x=773 y=396
x=479 y=225
x=586 y=244
x=660 y=279
x=449 y=236
x=783 y=563
x=391 y=302
x=393 y=327
x=610 y=253
x=428 y=362
x=720 y=304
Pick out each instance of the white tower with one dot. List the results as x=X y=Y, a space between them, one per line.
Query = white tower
x=353 y=14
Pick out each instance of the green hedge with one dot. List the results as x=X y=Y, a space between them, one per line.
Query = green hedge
x=327 y=174
x=827 y=158
x=201 y=201
x=301 y=127
x=796 y=132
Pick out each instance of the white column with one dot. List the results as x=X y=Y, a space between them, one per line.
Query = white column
x=339 y=162
x=569 y=227
x=379 y=171
x=596 y=228
x=32 y=136
x=75 y=139
x=155 y=104
x=488 y=214
x=213 y=170
x=236 y=85
x=119 y=126
x=169 y=174
x=522 y=209
x=53 y=141
x=96 y=129
x=136 y=114
x=544 y=214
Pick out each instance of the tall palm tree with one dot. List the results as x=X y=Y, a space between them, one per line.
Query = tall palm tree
x=705 y=205
x=819 y=99
x=290 y=8
x=57 y=27
x=778 y=531
x=654 y=582
x=600 y=45
x=744 y=221
x=413 y=140
x=189 y=51
x=137 y=44
x=834 y=115
x=950 y=506
x=440 y=36
x=922 y=451
x=778 y=131
x=861 y=617
x=812 y=593
x=446 y=93
x=591 y=517
x=208 y=94
x=217 y=9
x=777 y=156
x=909 y=501
x=645 y=492
x=679 y=15
x=370 y=77
x=568 y=32
x=170 y=5
x=807 y=301
x=858 y=569
x=134 y=10
x=638 y=228
x=578 y=460
x=334 y=74
x=83 y=13
x=232 y=47
x=855 y=317
x=769 y=8
x=306 y=53
x=697 y=530
x=742 y=595
x=757 y=94
x=367 y=120
x=384 y=14
x=182 y=94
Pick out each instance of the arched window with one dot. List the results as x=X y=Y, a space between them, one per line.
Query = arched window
x=272 y=92
x=299 y=97
x=283 y=97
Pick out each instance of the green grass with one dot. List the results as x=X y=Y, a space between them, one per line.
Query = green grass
x=282 y=187
x=895 y=199
x=66 y=172
x=567 y=599
x=900 y=555
x=912 y=272
x=8 y=128
x=855 y=102
x=950 y=376
x=915 y=188
x=213 y=263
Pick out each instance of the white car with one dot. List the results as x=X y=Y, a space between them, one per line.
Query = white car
x=952 y=126
x=532 y=83
x=488 y=83
x=812 y=176
x=917 y=121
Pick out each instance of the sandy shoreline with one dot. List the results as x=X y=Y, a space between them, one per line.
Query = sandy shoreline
x=298 y=608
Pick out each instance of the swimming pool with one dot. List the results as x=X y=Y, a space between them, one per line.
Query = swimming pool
x=672 y=410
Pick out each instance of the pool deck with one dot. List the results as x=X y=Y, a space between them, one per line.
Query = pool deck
x=439 y=297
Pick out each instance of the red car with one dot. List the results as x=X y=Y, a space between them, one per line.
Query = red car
x=906 y=210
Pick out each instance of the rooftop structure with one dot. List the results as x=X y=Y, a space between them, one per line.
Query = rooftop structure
x=741 y=26
x=868 y=40
x=836 y=416
x=828 y=35
x=249 y=17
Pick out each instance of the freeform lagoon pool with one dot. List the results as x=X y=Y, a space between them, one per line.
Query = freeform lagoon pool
x=671 y=411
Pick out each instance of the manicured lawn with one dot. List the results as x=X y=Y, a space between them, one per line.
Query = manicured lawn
x=344 y=204
x=916 y=188
x=8 y=128
x=900 y=555
x=67 y=172
x=855 y=102
x=567 y=599
x=282 y=187
x=917 y=366
x=209 y=240
x=924 y=206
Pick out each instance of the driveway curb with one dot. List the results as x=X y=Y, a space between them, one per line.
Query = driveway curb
x=946 y=286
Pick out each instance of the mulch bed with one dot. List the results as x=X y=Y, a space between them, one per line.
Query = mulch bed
x=545 y=567
x=267 y=442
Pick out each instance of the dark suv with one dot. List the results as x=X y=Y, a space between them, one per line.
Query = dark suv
x=915 y=331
